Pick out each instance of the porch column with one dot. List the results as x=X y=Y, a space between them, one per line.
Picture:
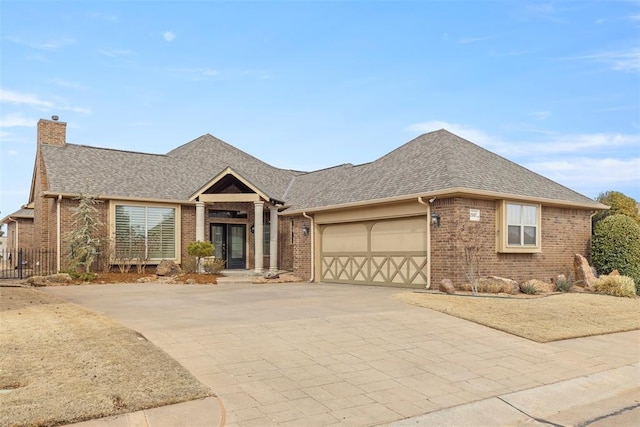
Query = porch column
x=258 y=234
x=200 y=221
x=273 y=239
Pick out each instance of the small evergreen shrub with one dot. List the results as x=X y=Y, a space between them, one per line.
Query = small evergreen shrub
x=617 y=286
x=529 y=288
x=615 y=245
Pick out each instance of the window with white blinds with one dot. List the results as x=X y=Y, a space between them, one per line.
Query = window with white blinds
x=145 y=232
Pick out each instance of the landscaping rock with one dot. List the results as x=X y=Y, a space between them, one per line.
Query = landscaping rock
x=167 y=268
x=541 y=287
x=561 y=278
x=60 y=278
x=494 y=285
x=584 y=274
x=271 y=275
x=615 y=272
x=147 y=279
x=446 y=286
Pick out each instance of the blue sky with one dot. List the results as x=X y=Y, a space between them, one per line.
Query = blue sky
x=553 y=86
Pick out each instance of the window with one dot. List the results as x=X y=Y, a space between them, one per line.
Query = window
x=266 y=239
x=146 y=232
x=520 y=228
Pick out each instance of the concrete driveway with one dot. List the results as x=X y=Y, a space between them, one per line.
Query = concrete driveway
x=309 y=354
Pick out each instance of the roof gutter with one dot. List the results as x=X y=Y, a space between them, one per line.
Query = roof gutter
x=455 y=192
x=52 y=194
x=428 y=205
x=313 y=246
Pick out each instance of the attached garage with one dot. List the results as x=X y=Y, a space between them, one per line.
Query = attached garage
x=375 y=252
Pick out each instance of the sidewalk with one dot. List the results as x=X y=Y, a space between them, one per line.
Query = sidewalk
x=609 y=398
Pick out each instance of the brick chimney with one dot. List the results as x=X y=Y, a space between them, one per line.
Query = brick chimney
x=52 y=131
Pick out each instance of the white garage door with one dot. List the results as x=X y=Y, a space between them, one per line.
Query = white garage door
x=385 y=252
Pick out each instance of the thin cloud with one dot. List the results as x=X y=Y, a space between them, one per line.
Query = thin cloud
x=115 y=52
x=541 y=115
x=48 y=45
x=17 y=98
x=469 y=40
x=628 y=60
x=578 y=172
x=69 y=85
x=12 y=97
x=197 y=73
x=168 y=36
x=16 y=120
x=105 y=17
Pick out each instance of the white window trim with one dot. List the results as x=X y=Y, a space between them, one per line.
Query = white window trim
x=178 y=225
x=502 y=233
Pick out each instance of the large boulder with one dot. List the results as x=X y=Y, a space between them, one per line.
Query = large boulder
x=583 y=273
x=58 y=279
x=494 y=285
x=167 y=268
x=446 y=286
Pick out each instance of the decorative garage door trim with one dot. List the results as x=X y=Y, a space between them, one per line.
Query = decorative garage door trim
x=385 y=252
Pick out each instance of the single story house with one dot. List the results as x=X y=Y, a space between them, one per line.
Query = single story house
x=405 y=219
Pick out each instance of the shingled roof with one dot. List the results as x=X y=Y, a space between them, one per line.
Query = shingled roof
x=434 y=162
x=174 y=176
x=20 y=213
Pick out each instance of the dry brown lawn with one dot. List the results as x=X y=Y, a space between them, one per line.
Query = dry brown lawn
x=542 y=319
x=60 y=363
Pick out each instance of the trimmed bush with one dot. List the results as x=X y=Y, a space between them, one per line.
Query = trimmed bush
x=618 y=286
x=615 y=245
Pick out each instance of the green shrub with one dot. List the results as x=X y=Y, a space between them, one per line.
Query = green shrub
x=618 y=286
x=615 y=245
x=529 y=288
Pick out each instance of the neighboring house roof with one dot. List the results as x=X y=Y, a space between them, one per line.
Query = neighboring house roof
x=23 y=213
x=434 y=162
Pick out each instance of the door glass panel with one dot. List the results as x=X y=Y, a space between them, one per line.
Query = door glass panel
x=217 y=238
x=237 y=242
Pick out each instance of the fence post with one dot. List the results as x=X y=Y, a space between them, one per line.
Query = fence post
x=20 y=264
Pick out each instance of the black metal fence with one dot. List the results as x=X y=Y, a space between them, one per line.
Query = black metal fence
x=23 y=263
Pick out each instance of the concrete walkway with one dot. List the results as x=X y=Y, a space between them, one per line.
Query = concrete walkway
x=304 y=355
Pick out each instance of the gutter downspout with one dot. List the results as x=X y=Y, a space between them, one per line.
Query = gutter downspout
x=16 y=245
x=58 y=243
x=313 y=246
x=428 y=205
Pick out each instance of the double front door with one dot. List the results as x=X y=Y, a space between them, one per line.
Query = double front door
x=229 y=243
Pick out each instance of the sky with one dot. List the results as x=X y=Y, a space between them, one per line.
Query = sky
x=305 y=85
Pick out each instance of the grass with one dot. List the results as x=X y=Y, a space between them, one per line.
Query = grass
x=544 y=319
x=61 y=364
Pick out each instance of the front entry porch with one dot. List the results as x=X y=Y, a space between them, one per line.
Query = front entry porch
x=244 y=234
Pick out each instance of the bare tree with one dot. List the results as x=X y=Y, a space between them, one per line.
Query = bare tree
x=473 y=249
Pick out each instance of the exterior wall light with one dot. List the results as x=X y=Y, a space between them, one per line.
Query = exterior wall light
x=252 y=229
x=435 y=220
x=305 y=229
